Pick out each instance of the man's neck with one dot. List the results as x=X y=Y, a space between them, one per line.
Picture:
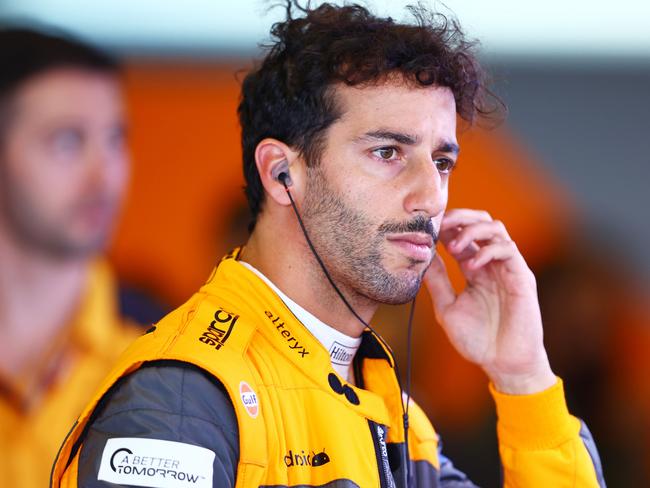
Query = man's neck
x=290 y=265
x=38 y=297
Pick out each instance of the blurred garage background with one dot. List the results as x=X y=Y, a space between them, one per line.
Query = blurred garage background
x=568 y=173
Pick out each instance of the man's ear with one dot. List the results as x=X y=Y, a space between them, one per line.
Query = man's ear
x=274 y=161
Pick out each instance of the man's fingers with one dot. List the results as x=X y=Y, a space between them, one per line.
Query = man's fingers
x=463 y=216
x=480 y=232
x=440 y=288
x=463 y=253
x=498 y=251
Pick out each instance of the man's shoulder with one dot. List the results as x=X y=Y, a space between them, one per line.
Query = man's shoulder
x=207 y=332
x=171 y=387
x=171 y=408
x=206 y=324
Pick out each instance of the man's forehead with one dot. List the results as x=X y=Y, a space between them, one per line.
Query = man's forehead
x=401 y=112
x=48 y=95
x=69 y=78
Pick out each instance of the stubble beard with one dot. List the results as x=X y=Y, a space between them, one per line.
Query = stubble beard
x=351 y=245
x=44 y=235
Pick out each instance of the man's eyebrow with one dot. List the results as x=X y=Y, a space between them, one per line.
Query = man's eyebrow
x=385 y=134
x=448 y=147
x=407 y=139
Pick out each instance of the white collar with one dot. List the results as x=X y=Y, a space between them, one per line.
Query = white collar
x=341 y=347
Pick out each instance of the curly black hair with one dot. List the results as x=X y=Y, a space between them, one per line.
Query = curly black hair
x=289 y=95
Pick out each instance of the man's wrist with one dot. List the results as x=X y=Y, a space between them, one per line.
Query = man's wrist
x=536 y=421
x=523 y=383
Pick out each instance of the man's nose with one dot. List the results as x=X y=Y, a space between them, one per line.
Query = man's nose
x=96 y=165
x=104 y=164
x=427 y=192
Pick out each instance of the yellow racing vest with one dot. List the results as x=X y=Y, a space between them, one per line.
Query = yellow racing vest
x=299 y=422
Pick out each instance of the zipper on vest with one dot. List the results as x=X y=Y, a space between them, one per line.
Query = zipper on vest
x=378 y=433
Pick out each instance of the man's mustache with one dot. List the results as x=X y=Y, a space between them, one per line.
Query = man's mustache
x=417 y=224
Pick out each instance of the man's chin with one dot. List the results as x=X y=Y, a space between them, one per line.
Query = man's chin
x=77 y=247
x=401 y=288
x=401 y=297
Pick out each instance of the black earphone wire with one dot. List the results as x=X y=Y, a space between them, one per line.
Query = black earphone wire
x=282 y=177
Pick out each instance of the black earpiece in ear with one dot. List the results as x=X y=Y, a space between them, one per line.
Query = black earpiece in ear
x=281 y=173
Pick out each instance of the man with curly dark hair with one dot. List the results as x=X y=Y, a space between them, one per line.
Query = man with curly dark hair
x=271 y=375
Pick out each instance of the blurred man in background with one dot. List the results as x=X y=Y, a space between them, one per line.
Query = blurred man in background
x=63 y=173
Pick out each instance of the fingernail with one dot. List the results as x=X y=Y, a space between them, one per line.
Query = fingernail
x=453 y=243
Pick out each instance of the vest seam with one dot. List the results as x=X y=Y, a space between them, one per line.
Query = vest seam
x=122 y=412
x=184 y=324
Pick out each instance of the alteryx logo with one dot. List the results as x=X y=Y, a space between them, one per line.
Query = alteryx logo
x=287 y=335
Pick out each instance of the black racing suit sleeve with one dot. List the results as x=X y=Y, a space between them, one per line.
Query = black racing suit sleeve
x=167 y=400
x=450 y=476
x=425 y=475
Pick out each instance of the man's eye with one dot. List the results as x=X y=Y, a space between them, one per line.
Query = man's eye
x=117 y=138
x=386 y=153
x=444 y=165
x=67 y=140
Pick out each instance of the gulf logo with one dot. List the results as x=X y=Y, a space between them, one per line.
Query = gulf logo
x=249 y=399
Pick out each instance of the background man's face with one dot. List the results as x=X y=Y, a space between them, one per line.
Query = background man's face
x=375 y=202
x=63 y=164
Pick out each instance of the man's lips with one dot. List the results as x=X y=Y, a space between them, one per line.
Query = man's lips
x=416 y=245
